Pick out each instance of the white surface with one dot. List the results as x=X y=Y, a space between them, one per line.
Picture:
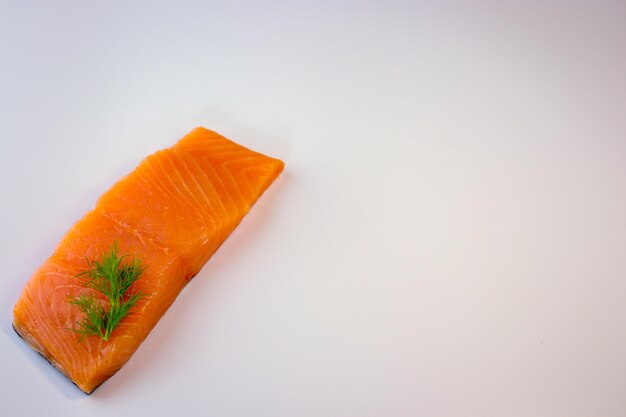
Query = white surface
x=447 y=239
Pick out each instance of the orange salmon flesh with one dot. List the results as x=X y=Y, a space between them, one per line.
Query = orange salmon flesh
x=172 y=212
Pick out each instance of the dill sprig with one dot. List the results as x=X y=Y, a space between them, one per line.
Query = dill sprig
x=111 y=276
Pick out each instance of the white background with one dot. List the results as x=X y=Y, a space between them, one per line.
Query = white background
x=447 y=239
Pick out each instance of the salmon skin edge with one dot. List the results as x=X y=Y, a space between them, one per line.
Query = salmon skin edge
x=51 y=362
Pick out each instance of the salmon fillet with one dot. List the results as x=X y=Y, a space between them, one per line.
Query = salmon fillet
x=172 y=212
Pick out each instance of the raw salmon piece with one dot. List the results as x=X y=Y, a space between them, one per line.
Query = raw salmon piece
x=173 y=211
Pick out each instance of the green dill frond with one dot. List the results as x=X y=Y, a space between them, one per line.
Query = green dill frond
x=111 y=275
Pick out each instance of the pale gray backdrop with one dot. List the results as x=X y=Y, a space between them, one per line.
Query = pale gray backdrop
x=448 y=238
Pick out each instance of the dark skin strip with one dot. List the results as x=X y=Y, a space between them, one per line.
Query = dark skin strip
x=48 y=360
